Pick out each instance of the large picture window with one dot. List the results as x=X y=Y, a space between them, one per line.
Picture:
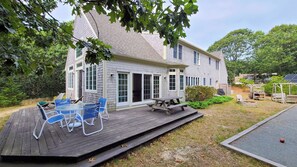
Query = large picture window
x=91 y=77
x=122 y=87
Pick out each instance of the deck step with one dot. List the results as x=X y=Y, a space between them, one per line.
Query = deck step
x=104 y=156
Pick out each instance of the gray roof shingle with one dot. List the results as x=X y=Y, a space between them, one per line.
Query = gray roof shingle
x=127 y=44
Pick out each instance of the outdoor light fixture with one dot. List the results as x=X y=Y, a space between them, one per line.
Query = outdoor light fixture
x=111 y=74
x=164 y=77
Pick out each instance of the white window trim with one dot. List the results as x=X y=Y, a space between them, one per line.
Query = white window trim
x=89 y=90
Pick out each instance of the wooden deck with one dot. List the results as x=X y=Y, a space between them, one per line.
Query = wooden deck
x=123 y=131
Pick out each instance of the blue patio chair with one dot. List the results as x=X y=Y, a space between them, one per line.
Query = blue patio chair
x=60 y=102
x=103 y=107
x=90 y=113
x=49 y=117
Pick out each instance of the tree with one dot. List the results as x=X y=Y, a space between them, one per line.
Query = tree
x=277 y=50
x=145 y=15
x=45 y=72
x=237 y=46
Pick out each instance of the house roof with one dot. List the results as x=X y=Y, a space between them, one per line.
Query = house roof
x=128 y=44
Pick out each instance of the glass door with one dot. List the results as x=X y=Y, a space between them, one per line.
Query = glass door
x=122 y=95
x=137 y=87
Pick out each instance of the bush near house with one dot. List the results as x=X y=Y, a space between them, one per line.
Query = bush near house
x=206 y=103
x=199 y=93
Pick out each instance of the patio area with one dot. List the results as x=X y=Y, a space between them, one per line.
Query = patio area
x=124 y=130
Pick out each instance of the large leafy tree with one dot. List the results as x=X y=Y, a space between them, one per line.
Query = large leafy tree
x=238 y=46
x=27 y=16
x=277 y=51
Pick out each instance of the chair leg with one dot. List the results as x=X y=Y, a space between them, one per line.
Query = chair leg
x=34 y=131
x=101 y=127
x=105 y=114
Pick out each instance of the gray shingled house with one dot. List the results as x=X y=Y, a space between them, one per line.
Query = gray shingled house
x=142 y=68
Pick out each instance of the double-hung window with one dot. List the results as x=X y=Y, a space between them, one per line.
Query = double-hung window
x=70 y=77
x=175 y=52
x=209 y=61
x=78 y=52
x=178 y=52
x=204 y=81
x=195 y=58
x=217 y=64
x=91 y=77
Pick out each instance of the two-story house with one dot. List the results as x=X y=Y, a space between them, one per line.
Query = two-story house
x=142 y=68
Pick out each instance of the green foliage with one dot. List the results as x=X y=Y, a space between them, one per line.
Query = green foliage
x=145 y=15
x=199 y=93
x=206 y=103
x=237 y=46
x=277 y=51
x=268 y=87
x=245 y=82
x=43 y=63
x=10 y=92
x=257 y=53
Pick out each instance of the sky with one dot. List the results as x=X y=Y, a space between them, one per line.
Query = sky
x=216 y=18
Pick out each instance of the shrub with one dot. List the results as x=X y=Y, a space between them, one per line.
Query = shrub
x=199 y=93
x=269 y=86
x=206 y=103
x=245 y=82
x=10 y=93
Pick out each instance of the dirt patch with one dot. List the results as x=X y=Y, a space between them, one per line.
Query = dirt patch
x=178 y=155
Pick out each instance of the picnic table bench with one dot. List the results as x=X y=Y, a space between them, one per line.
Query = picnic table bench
x=167 y=104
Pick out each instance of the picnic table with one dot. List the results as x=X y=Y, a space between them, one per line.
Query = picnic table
x=167 y=104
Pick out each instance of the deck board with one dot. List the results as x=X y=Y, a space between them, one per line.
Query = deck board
x=57 y=143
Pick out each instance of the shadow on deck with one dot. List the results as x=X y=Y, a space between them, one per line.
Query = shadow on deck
x=124 y=130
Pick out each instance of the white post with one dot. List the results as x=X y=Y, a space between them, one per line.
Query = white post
x=283 y=98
